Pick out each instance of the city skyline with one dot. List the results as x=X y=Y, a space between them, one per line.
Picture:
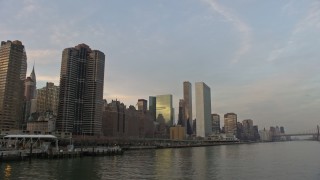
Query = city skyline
x=260 y=65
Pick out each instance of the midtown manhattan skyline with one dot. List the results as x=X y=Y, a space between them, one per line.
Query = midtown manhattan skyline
x=260 y=59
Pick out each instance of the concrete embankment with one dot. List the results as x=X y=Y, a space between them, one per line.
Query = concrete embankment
x=20 y=155
x=177 y=145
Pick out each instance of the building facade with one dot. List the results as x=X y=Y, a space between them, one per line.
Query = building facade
x=30 y=94
x=203 y=110
x=44 y=125
x=119 y=121
x=114 y=120
x=177 y=133
x=187 y=97
x=153 y=107
x=164 y=107
x=230 y=123
x=215 y=123
x=48 y=99
x=142 y=105
x=81 y=91
x=13 y=66
x=181 y=115
x=248 y=133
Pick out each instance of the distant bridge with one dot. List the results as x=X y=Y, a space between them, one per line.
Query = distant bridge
x=313 y=132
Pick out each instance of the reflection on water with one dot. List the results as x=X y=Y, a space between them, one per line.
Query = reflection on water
x=7 y=171
x=284 y=160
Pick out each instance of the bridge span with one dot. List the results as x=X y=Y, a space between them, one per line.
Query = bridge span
x=315 y=133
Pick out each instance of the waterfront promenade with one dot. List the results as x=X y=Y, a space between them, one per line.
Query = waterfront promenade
x=80 y=146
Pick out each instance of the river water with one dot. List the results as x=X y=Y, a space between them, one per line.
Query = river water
x=278 y=160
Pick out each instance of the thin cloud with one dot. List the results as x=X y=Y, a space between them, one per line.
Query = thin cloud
x=289 y=8
x=45 y=56
x=310 y=21
x=54 y=79
x=29 y=7
x=241 y=26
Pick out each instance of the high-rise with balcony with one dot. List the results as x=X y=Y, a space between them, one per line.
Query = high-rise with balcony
x=203 y=110
x=13 y=66
x=81 y=91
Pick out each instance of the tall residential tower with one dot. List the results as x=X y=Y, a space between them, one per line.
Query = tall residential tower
x=13 y=66
x=81 y=91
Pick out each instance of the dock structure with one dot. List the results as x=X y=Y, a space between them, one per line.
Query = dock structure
x=22 y=141
x=12 y=155
x=22 y=147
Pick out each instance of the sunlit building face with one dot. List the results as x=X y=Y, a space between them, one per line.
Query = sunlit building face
x=164 y=108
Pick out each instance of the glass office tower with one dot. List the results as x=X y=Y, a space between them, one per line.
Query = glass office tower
x=164 y=107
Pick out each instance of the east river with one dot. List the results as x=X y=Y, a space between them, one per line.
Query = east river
x=278 y=160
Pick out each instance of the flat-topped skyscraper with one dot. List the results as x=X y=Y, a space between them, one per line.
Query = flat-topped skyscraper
x=13 y=67
x=187 y=97
x=81 y=91
x=230 y=123
x=164 y=108
x=203 y=110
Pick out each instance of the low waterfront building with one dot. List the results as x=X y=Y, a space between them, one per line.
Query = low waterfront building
x=44 y=125
x=177 y=133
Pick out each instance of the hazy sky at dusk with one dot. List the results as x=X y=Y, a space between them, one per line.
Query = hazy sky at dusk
x=260 y=58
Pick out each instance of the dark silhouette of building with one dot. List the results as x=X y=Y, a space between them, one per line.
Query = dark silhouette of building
x=142 y=105
x=153 y=107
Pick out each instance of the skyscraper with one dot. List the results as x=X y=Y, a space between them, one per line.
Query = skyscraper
x=164 y=108
x=248 y=129
x=203 y=110
x=152 y=107
x=181 y=115
x=142 y=105
x=30 y=93
x=34 y=79
x=215 y=123
x=187 y=97
x=81 y=90
x=230 y=123
x=13 y=65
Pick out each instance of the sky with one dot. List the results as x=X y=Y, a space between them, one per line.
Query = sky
x=261 y=59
